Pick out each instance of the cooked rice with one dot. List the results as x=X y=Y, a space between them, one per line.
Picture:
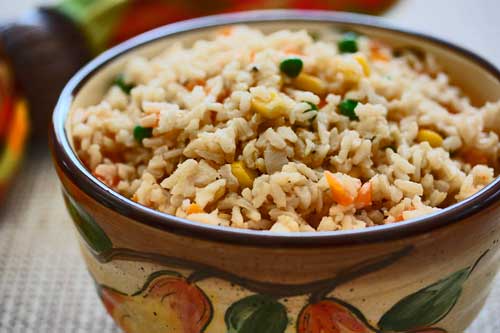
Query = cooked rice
x=198 y=100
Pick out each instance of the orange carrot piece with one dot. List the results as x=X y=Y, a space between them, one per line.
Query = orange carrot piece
x=339 y=193
x=194 y=209
x=399 y=218
x=364 y=198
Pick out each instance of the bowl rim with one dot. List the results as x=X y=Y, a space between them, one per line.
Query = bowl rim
x=69 y=163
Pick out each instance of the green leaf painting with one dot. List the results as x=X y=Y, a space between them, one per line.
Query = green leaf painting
x=256 y=313
x=427 y=306
x=88 y=228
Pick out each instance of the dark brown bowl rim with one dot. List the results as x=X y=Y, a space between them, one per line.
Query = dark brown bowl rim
x=69 y=163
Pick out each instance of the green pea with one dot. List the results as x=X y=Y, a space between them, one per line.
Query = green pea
x=348 y=43
x=124 y=86
x=141 y=133
x=291 y=67
x=347 y=107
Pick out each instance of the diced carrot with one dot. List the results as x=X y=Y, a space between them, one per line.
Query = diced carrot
x=474 y=157
x=364 y=198
x=339 y=193
x=194 y=209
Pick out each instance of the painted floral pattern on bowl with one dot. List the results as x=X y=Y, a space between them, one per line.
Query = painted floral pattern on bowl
x=171 y=302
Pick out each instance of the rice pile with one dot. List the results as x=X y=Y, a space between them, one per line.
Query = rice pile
x=217 y=133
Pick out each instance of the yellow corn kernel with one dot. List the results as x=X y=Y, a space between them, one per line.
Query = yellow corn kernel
x=309 y=83
x=361 y=59
x=434 y=138
x=244 y=175
x=272 y=108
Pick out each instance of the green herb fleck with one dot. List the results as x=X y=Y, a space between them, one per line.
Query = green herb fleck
x=313 y=107
x=291 y=66
x=141 y=133
x=124 y=86
x=347 y=108
x=348 y=43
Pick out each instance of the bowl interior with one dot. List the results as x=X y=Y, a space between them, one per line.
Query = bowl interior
x=479 y=79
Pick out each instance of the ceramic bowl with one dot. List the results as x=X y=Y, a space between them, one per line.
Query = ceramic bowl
x=163 y=274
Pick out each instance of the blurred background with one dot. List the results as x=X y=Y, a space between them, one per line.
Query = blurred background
x=43 y=284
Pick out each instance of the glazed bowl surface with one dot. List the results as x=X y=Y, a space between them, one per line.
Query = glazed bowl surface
x=159 y=273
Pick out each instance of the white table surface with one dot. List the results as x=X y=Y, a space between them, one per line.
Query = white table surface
x=44 y=286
